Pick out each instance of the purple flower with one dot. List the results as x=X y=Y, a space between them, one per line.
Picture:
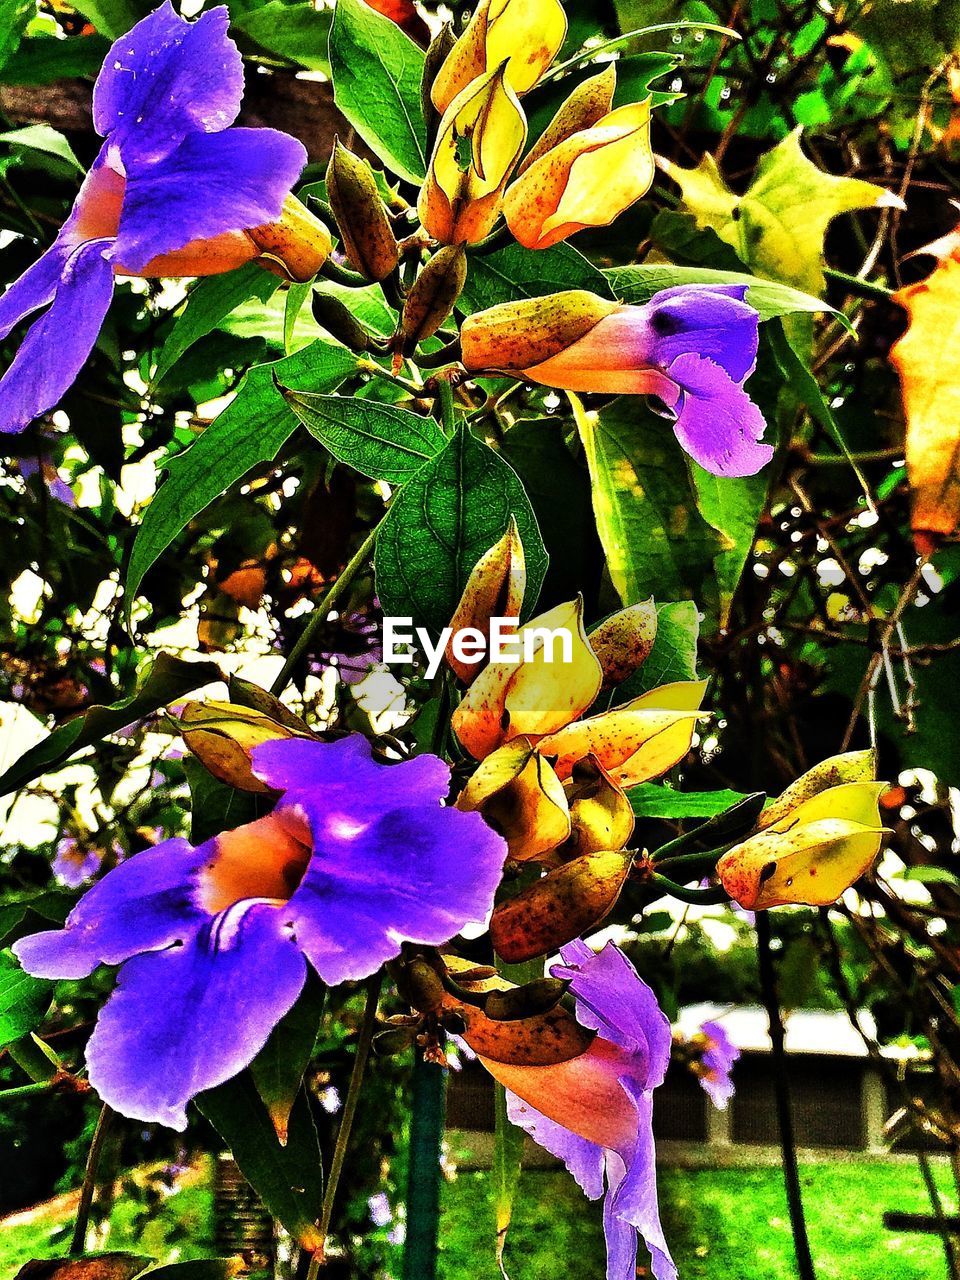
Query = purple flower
x=356 y=858
x=74 y=865
x=381 y=1214
x=692 y=346
x=595 y=1111
x=172 y=192
x=716 y=1064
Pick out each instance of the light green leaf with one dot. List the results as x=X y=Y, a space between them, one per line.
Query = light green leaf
x=733 y=506
x=278 y=1068
x=931 y=875
x=44 y=59
x=377 y=440
x=113 y=17
x=250 y=431
x=43 y=138
x=653 y=800
x=777 y=228
x=167 y=680
x=656 y=542
x=638 y=284
x=377 y=71
x=208 y=302
x=440 y=524
x=300 y=32
x=23 y=1000
x=516 y=272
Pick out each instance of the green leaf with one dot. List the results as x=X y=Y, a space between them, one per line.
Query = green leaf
x=288 y=1179
x=733 y=506
x=250 y=431
x=507 y=1165
x=43 y=138
x=208 y=302
x=167 y=680
x=113 y=17
x=516 y=272
x=638 y=284
x=653 y=800
x=674 y=653
x=440 y=524
x=23 y=999
x=14 y=16
x=299 y=32
x=215 y=806
x=279 y=1066
x=377 y=440
x=931 y=875
x=377 y=71
x=655 y=539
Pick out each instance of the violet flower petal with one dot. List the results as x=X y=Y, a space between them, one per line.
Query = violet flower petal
x=584 y=1159
x=190 y=1017
x=57 y=345
x=212 y=183
x=142 y=905
x=718 y=1062
x=717 y=422
x=712 y=321
x=167 y=78
x=34 y=289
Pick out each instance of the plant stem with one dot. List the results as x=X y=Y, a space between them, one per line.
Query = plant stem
x=423 y=1177
x=319 y=615
x=447 y=419
x=26 y=1090
x=858 y=287
x=367 y=1028
x=78 y=1242
x=377 y=371
x=781 y=1084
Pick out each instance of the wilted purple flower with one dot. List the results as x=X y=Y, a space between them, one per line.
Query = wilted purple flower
x=595 y=1111
x=716 y=1064
x=356 y=858
x=692 y=346
x=172 y=192
x=73 y=864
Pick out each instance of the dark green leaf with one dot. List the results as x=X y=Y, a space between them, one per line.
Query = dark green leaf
x=440 y=524
x=113 y=17
x=14 y=16
x=376 y=72
x=516 y=272
x=43 y=59
x=377 y=440
x=653 y=800
x=250 y=431
x=215 y=806
x=208 y=302
x=23 y=999
x=279 y=1066
x=288 y=1179
x=167 y=680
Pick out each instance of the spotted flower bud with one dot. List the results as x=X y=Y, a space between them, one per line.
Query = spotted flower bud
x=523 y=35
x=368 y=239
x=585 y=181
x=479 y=141
x=814 y=850
x=586 y=106
x=495 y=589
x=434 y=294
x=569 y=901
x=623 y=642
x=519 y=337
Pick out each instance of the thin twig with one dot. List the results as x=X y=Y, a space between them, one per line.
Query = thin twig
x=78 y=1241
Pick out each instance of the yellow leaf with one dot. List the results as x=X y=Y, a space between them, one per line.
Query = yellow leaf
x=778 y=226
x=931 y=401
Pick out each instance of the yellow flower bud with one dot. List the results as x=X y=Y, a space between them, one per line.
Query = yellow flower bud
x=525 y=35
x=433 y=295
x=521 y=797
x=852 y=766
x=588 y=104
x=624 y=641
x=516 y=336
x=812 y=853
x=585 y=181
x=562 y=905
x=636 y=742
x=480 y=138
x=495 y=589
x=511 y=699
x=222 y=735
x=296 y=247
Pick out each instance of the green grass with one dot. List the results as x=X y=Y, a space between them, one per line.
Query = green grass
x=723 y=1224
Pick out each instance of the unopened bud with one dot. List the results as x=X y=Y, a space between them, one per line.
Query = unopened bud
x=533 y=998
x=624 y=641
x=368 y=239
x=515 y=336
x=589 y=102
x=434 y=294
x=495 y=589
x=336 y=318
